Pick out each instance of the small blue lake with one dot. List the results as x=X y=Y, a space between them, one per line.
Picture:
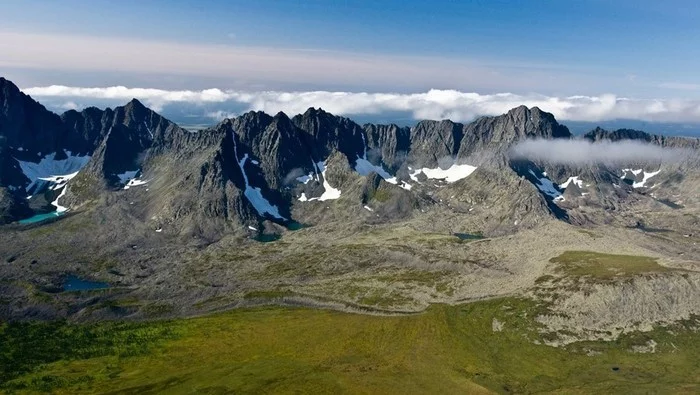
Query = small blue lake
x=74 y=283
x=39 y=218
x=294 y=225
x=468 y=236
x=267 y=238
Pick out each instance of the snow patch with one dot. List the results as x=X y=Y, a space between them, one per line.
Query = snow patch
x=329 y=192
x=59 y=181
x=254 y=194
x=134 y=182
x=368 y=208
x=305 y=179
x=252 y=228
x=365 y=167
x=635 y=172
x=150 y=132
x=48 y=168
x=59 y=208
x=406 y=185
x=546 y=186
x=646 y=178
x=127 y=176
x=576 y=180
x=452 y=174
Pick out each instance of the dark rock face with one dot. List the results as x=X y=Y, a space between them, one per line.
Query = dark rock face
x=432 y=141
x=27 y=124
x=388 y=144
x=498 y=134
x=599 y=134
x=11 y=207
x=327 y=133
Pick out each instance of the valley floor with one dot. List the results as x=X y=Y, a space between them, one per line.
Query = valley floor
x=482 y=347
x=553 y=308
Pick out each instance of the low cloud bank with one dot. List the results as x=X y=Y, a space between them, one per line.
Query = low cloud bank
x=581 y=152
x=434 y=104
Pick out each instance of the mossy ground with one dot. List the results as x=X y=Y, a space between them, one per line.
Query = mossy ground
x=605 y=266
x=447 y=349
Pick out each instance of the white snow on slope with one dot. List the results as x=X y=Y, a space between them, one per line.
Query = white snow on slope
x=546 y=186
x=646 y=178
x=50 y=168
x=365 y=167
x=453 y=173
x=635 y=172
x=127 y=176
x=576 y=180
x=254 y=194
x=59 y=208
x=150 y=132
x=59 y=181
x=305 y=179
x=129 y=179
x=255 y=197
x=329 y=192
x=134 y=182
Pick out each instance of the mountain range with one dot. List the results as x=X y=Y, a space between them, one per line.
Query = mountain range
x=258 y=169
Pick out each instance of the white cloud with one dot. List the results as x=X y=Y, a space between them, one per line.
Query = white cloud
x=70 y=105
x=434 y=104
x=220 y=115
x=585 y=152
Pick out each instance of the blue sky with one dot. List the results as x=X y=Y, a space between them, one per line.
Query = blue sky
x=558 y=48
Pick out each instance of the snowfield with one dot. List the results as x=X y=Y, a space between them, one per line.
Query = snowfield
x=452 y=174
x=49 y=169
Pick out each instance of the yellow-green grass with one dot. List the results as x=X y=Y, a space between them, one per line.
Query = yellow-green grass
x=447 y=349
x=605 y=266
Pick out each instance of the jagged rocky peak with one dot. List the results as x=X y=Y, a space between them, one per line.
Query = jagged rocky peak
x=255 y=120
x=533 y=122
x=26 y=123
x=599 y=134
x=499 y=133
x=330 y=133
x=432 y=141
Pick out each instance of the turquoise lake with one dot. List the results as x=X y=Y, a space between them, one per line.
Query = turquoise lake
x=39 y=218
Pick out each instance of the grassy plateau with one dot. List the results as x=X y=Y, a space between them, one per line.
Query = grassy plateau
x=483 y=347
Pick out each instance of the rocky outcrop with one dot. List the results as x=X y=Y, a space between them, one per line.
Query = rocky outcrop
x=599 y=134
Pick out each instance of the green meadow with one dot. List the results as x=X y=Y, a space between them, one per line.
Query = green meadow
x=484 y=347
